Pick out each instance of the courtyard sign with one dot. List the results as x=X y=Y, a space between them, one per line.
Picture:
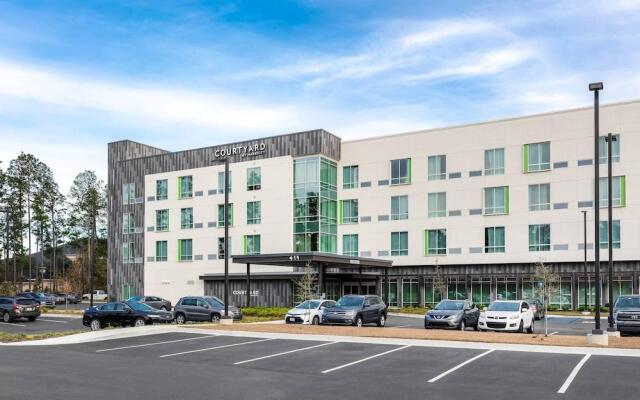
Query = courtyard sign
x=249 y=150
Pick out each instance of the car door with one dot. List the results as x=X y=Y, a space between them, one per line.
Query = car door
x=105 y=313
x=527 y=316
x=370 y=311
x=189 y=307
x=203 y=309
x=118 y=315
x=470 y=313
x=152 y=301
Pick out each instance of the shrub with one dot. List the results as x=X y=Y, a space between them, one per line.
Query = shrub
x=268 y=312
x=7 y=289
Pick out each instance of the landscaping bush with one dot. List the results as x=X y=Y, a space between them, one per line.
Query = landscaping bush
x=265 y=312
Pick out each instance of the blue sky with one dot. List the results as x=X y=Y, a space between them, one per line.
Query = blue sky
x=75 y=75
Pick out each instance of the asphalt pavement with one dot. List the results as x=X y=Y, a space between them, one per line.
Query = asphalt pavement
x=48 y=323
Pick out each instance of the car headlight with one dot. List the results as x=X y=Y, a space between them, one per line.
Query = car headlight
x=351 y=312
x=453 y=316
x=514 y=316
x=483 y=315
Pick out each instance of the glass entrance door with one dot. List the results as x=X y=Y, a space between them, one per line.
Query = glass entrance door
x=368 y=287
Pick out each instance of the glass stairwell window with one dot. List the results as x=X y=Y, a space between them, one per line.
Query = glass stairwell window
x=127 y=253
x=437 y=167
x=539 y=197
x=494 y=239
x=400 y=171
x=128 y=223
x=496 y=200
x=536 y=157
x=221 y=215
x=603 y=149
x=349 y=211
x=399 y=207
x=618 y=191
x=162 y=220
x=254 y=178
x=437 y=205
x=162 y=189
x=185 y=187
x=350 y=177
x=350 y=245
x=494 y=162
x=604 y=234
x=129 y=193
x=186 y=218
x=540 y=237
x=435 y=242
x=399 y=243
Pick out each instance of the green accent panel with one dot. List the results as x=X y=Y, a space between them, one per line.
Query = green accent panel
x=426 y=242
x=179 y=249
x=506 y=199
x=341 y=212
x=230 y=214
x=409 y=170
x=623 y=191
x=525 y=158
x=244 y=245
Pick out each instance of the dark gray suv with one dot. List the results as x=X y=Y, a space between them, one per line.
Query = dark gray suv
x=356 y=310
x=12 y=308
x=202 y=308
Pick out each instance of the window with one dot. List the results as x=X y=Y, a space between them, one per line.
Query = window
x=161 y=250
x=400 y=171
x=350 y=245
x=129 y=193
x=435 y=242
x=437 y=167
x=410 y=290
x=506 y=288
x=251 y=245
x=349 y=211
x=539 y=197
x=127 y=253
x=350 y=177
x=162 y=220
x=540 y=237
x=481 y=291
x=186 y=218
x=185 y=249
x=221 y=247
x=603 y=149
x=604 y=234
x=221 y=215
x=494 y=162
x=221 y=181
x=437 y=204
x=432 y=294
x=496 y=200
x=399 y=243
x=254 y=178
x=254 y=212
x=536 y=157
x=494 y=239
x=128 y=223
x=456 y=289
x=185 y=187
x=399 y=207
x=618 y=191
x=392 y=292
x=162 y=189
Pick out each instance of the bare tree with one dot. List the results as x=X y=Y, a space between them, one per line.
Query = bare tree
x=548 y=286
x=306 y=285
x=439 y=281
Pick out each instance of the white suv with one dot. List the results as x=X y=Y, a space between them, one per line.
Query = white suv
x=503 y=315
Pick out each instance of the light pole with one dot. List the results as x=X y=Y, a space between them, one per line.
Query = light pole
x=226 y=237
x=586 y=277
x=610 y=139
x=595 y=88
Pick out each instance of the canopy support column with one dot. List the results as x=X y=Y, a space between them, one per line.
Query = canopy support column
x=248 y=285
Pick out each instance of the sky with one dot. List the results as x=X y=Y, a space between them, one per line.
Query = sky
x=76 y=75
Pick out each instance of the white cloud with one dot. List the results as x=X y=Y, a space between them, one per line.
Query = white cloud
x=448 y=29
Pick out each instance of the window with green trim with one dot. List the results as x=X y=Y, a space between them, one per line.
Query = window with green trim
x=254 y=212
x=536 y=157
x=254 y=178
x=221 y=181
x=349 y=211
x=161 y=250
x=618 y=191
x=221 y=215
x=399 y=207
x=603 y=149
x=186 y=218
x=128 y=223
x=162 y=220
x=400 y=172
x=539 y=197
x=185 y=249
x=496 y=200
x=399 y=243
x=540 y=237
x=437 y=166
x=494 y=239
x=604 y=234
x=494 y=162
x=162 y=189
x=350 y=245
x=221 y=247
x=127 y=253
x=437 y=205
x=251 y=245
x=435 y=242
x=185 y=187
x=350 y=177
x=129 y=193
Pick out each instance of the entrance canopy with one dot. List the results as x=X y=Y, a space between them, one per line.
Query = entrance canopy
x=314 y=258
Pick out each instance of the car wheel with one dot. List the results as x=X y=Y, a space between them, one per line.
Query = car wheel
x=521 y=327
x=215 y=317
x=180 y=319
x=95 y=324
x=358 y=322
x=426 y=326
x=31 y=319
x=315 y=321
x=6 y=317
x=530 y=328
x=462 y=325
x=139 y=322
x=382 y=321
x=476 y=328
x=163 y=308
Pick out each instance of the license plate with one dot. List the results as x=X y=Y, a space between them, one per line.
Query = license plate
x=292 y=319
x=29 y=309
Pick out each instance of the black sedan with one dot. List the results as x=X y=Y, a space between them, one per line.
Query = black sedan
x=127 y=313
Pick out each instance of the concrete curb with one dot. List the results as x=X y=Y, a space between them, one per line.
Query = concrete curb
x=53 y=315
x=393 y=314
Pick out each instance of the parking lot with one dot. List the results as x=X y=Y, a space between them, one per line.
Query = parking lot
x=48 y=323
x=243 y=366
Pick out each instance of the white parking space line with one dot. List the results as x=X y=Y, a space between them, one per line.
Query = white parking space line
x=52 y=320
x=401 y=326
x=573 y=374
x=553 y=333
x=12 y=324
x=326 y=371
x=156 y=343
x=213 y=348
x=283 y=353
x=457 y=367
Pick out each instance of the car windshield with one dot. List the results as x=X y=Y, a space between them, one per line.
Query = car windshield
x=504 y=306
x=136 y=298
x=308 y=304
x=628 y=302
x=25 y=302
x=139 y=306
x=214 y=301
x=350 y=301
x=449 y=305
